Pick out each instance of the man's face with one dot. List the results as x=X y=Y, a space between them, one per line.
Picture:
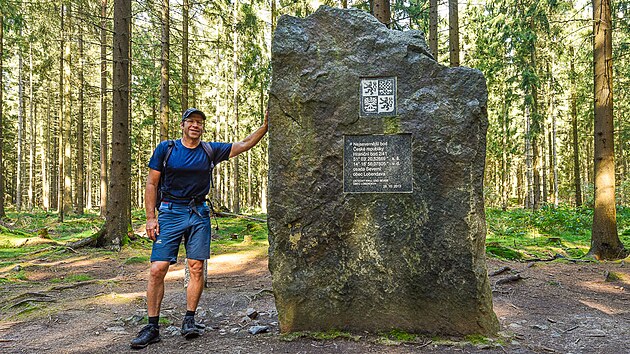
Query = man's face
x=192 y=127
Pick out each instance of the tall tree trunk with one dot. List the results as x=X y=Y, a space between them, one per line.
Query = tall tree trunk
x=31 y=125
x=273 y=15
x=554 y=153
x=117 y=221
x=575 y=142
x=235 y=88
x=605 y=243
x=453 y=33
x=433 y=28
x=45 y=153
x=90 y=161
x=66 y=147
x=2 y=212
x=504 y=165
x=60 y=117
x=164 y=94
x=80 y=143
x=529 y=196
x=381 y=10
x=104 y=145
x=20 y=132
x=186 y=6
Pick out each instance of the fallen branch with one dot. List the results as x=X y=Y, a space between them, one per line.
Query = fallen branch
x=88 y=241
x=40 y=250
x=509 y=279
x=19 y=303
x=500 y=270
x=558 y=256
x=262 y=293
x=220 y=213
x=75 y=285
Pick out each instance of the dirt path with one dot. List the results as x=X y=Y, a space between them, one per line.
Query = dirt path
x=557 y=307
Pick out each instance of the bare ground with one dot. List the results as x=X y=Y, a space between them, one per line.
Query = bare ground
x=556 y=307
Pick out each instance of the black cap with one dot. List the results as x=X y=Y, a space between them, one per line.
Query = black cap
x=190 y=111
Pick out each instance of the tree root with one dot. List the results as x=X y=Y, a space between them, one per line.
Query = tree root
x=500 y=270
x=509 y=279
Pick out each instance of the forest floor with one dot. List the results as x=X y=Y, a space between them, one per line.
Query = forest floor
x=93 y=301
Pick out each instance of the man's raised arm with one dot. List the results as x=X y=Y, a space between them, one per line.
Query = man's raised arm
x=251 y=140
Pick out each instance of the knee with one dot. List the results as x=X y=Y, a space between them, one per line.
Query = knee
x=195 y=268
x=158 y=270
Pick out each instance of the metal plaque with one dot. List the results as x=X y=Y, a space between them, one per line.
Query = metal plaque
x=377 y=164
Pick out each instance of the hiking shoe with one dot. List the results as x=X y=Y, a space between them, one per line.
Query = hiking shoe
x=190 y=328
x=147 y=335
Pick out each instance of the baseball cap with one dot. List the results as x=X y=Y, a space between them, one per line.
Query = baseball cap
x=190 y=111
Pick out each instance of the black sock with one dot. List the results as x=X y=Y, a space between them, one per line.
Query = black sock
x=190 y=313
x=155 y=320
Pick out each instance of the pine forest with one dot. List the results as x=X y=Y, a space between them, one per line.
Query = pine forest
x=76 y=133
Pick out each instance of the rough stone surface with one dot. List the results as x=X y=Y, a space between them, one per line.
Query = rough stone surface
x=374 y=261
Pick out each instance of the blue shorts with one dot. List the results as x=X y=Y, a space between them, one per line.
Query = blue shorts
x=177 y=221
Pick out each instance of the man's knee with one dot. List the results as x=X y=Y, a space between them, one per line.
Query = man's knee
x=159 y=269
x=195 y=267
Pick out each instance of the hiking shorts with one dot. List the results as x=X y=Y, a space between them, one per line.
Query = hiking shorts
x=179 y=221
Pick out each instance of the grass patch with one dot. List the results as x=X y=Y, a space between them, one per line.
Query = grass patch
x=327 y=335
x=72 y=278
x=521 y=234
x=137 y=259
x=476 y=339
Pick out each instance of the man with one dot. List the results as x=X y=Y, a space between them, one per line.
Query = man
x=184 y=181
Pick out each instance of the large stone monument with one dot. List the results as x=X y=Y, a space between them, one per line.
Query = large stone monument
x=376 y=160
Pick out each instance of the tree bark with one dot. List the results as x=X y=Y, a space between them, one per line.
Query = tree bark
x=453 y=33
x=118 y=222
x=185 y=15
x=31 y=125
x=104 y=145
x=45 y=153
x=235 y=88
x=60 y=118
x=605 y=243
x=80 y=143
x=164 y=93
x=66 y=148
x=2 y=212
x=575 y=142
x=90 y=161
x=20 y=132
x=433 y=24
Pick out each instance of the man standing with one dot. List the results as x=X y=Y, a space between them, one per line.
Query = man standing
x=184 y=182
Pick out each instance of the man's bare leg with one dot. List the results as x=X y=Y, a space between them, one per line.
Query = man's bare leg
x=195 y=286
x=155 y=288
x=193 y=294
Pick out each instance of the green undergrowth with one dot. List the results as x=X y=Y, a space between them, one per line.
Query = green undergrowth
x=327 y=335
x=40 y=235
x=520 y=234
x=72 y=278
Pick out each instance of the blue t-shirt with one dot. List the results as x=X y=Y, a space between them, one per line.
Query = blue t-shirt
x=187 y=172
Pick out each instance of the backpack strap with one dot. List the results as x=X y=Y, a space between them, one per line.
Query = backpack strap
x=208 y=149
x=169 y=150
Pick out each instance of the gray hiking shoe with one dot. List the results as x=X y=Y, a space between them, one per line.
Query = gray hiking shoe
x=190 y=329
x=147 y=335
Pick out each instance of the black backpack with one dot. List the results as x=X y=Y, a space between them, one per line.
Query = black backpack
x=206 y=147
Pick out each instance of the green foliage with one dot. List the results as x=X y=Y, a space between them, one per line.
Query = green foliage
x=401 y=336
x=520 y=234
x=327 y=335
x=72 y=278
x=137 y=259
x=477 y=339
